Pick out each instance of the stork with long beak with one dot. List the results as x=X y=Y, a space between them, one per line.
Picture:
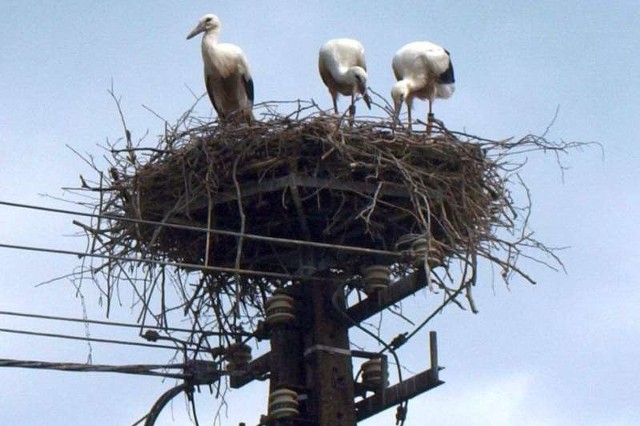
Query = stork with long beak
x=343 y=70
x=226 y=73
x=423 y=70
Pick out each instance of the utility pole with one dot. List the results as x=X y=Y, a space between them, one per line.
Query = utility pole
x=328 y=359
x=311 y=356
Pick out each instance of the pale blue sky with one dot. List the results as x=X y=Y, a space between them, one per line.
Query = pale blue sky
x=561 y=353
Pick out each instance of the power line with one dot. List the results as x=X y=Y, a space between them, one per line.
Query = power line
x=151 y=417
x=435 y=312
x=137 y=369
x=194 y=372
x=108 y=323
x=200 y=229
x=89 y=339
x=166 y=263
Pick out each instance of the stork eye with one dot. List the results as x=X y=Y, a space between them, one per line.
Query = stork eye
x=208 y=19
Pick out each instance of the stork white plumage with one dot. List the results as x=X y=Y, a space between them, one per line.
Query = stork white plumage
x=226 y=73
x=343 y=70
x=423 y=70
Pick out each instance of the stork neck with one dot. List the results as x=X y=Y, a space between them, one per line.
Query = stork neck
x=409 y=84
x=210 y=37
x=346 y=75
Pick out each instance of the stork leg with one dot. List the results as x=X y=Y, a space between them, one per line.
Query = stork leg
x=429 y=118
x=352 y=109
x=334 y=96
x=248 y=117
x=409 y=116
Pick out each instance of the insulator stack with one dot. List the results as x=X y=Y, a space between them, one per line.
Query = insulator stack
x=283 y=403
x=279 y=310
x=375 y=373
x=238 y=356
x=376 y=278
x=421 y=247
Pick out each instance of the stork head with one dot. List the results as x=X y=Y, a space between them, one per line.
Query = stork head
x=399 y=94
x=359 y=76
x=206 y=24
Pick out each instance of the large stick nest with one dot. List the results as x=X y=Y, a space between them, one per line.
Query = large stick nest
x=309 y=180
x=254 y=208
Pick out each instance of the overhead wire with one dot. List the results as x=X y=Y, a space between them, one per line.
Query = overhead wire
x=194 y=372
x=448 y=300
x=112 y=323
x=191 y=266
x=153 y=414
x=88 y=339
x=136 y=369
x=200 y=229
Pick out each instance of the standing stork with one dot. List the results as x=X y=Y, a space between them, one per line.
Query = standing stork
x=226 y=73
x=424 y=70
x=343 y=70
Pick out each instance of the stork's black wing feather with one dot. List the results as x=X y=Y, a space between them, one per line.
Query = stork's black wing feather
x=209 y=84
x=248 y=87
x=447 y=76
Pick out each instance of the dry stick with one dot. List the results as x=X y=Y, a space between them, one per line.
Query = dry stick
x=221 y=318
x=472 y=281
x=464 y=283
x=98 y=221
x=372 y=206
x=198 y=325
x=208 y=240
x=163 y=295
x=241 y=238
x=209 y=215
x=448 y=291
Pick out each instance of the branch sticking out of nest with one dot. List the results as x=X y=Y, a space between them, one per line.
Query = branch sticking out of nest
x=300 y=195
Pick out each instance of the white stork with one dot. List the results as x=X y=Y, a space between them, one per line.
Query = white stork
x=423 y=70
x=226 y=73
x=343 y=70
